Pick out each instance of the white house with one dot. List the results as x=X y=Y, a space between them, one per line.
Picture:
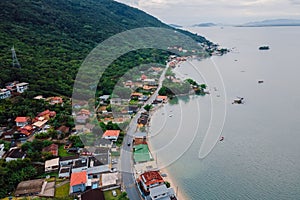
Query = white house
x=52 y=165
x=21 y=87
x=5 y=93
x=14 y=154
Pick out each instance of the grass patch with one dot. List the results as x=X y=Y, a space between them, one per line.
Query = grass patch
x=62 y=191
x=108 y=195
x=115 y=153
x=63 y=152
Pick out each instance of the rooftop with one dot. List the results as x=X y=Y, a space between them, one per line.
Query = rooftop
x=78 y=178
x=151 y=177
x=141 y=153
x=29 y=187
x=15 y=153
x=111 y=133
x=21 y=119
x=52 y=162
x=95 y=194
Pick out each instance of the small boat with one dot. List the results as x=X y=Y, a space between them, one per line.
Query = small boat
x=170 y=115
x=264 y=48
x=260 y=81
x=238 y=100
x=222 y=138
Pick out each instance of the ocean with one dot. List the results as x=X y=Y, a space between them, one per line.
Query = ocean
x=259 y=157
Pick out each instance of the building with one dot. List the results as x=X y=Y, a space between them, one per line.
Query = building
x=103 y=143
x=98 y=164
x=2 y=152
x=14 y=154
x=5 y=93
x=159 y=193
x=56 y=100
x=149 y=180
x=78 y=181
x=52 y=165
x=64 y=172
x=95 y=194
x=81 y=164
x=110 y=181
x=53 y=149
x=21 y=87
x=111 y=135
x=68 y=160
x=29 y=188
x=21 y=121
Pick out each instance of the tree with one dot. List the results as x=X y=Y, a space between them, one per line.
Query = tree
x=148 y=107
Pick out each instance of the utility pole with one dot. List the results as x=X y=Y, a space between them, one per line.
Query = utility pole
x=15 y=62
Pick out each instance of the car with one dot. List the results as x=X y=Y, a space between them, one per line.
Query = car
x=114 y=193
x=128 y=144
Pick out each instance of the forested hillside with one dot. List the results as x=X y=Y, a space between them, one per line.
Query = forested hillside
x=52 y=37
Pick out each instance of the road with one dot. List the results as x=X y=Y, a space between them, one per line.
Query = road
x=126 y=151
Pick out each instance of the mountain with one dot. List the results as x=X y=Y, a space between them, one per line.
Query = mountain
x=175 y=25
x=205 y=24
x=274 y=22
x=52 y=38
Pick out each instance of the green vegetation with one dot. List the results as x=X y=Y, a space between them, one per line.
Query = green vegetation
x=62 y=191
x=34 y=150
x=63 y=152
x=148 y=107
x=168 y=184
x=121 y=195
x=76 y=141
x=13 y=172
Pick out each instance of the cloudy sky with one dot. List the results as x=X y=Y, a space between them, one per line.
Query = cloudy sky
x=189 y=12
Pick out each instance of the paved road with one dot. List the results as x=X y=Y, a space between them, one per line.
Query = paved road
x=126 y=151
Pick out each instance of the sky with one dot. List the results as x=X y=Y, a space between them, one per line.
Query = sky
x=189 y=12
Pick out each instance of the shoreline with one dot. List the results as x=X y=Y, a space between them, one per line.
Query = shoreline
x=169 y=178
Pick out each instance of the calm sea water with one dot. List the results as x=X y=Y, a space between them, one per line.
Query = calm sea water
x=260 y=155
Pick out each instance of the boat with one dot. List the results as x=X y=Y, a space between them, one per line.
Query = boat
x=264 y=48
x=238 y=100
x=222 y=138
x=260 y=81
x=170 y=115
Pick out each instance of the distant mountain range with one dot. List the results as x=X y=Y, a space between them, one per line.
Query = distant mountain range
x=209 y=24
x=274 y=22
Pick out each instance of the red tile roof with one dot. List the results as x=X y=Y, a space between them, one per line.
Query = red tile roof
x=111 y=133
x=53 y=149
x=21 y=119
x=78 y=178
x=162 y=97
x=151 y=177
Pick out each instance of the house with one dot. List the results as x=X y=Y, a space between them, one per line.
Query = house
x=104 y=98
x=14 y=154
x=47 y=114
x=11 y=86
x=103 y=143
x=161 y=99
x=81 y=164
x=160 y=192
x=99 y=164
x=68 y=160
x=150 y=82
x=56 y=100
x=21 y=87
x=51 y=165
x=40 y=123
x=21 y=121
x=136 y=95
x=30 y=188
x=5 y=93
x=110 y=181
x=78 y=181
x=26 y=131
x=64 y=172
x=53 y=149
x=150 y=179
x=111 y=135
x=63 y=129
x=81 y=119
x=2 y=152
x=143 y=77
x=94 y=194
